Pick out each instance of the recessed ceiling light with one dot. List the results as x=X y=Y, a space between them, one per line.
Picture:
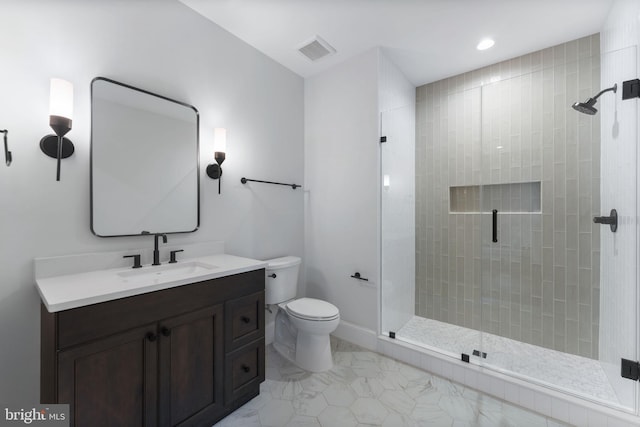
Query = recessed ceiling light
x=485 y=44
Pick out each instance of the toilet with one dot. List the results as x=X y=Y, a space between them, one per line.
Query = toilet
x=302 y=325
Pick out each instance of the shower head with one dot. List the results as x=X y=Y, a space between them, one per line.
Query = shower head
x=587 y=107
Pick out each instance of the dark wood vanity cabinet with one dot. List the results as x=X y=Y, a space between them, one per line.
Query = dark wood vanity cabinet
x=185 y=356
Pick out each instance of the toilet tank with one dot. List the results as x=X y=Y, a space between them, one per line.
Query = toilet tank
x=284 y=286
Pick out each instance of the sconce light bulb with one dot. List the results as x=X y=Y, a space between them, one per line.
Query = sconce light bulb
x=220 y=140
x=61 y=99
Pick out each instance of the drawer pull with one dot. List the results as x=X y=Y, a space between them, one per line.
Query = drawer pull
x=246 y=319
x=273 y=276
x=245 y=368
x=151 y=337
x=165 y=331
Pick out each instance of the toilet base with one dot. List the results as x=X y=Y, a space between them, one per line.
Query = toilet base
x=309 y=350
x=313 y=352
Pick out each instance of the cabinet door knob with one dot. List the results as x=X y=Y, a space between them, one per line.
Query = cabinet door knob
x=273 y=276
x=246 y=319
x=245 y=368
x=165 y=331
x=151 y=337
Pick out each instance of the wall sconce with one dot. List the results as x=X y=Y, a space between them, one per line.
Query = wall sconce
x=214 y=170
x=60 y=115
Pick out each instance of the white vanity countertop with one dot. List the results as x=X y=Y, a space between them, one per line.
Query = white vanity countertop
x=77 y=290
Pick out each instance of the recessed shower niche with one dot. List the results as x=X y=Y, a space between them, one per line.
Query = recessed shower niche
x=523 y=197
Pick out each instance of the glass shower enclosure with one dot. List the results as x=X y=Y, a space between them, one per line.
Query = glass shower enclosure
x=489 y=246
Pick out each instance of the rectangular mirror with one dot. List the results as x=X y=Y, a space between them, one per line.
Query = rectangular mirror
x=144 y=162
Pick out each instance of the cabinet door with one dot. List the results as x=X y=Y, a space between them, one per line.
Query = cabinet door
x=191 y=358
x=112 y=381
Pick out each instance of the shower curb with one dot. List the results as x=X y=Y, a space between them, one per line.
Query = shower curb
x=543 y=400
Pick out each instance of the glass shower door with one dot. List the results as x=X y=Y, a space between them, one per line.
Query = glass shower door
x=559 y=292
x=397 y=218
x=431 y=221
x=618 y=292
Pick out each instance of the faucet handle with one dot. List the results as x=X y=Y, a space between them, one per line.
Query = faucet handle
x=136 y=260
x=173 y=256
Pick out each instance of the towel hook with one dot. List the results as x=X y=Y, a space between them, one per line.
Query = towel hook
x=358 y=276
x=7 y=153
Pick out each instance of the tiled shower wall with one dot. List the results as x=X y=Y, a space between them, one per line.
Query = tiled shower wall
x=512 y=123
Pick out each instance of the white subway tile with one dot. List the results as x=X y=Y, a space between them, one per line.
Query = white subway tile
x=542 y=403
x=578 y=415
x=560 y=409
x=527 y=398
x=595 y=419
x=471 y=378
x=511 y=392
x=459 y=373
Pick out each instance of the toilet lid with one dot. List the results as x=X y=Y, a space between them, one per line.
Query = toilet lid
x=312 y=309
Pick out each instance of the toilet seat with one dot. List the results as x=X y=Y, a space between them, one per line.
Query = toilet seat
x=312 y=309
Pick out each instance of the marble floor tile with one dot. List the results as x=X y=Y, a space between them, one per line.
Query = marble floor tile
x=368 y=389
x=340 y=394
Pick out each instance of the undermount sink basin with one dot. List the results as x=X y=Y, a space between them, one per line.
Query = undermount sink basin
x=154 y=272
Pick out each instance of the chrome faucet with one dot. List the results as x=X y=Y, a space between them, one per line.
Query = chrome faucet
x=156 y=252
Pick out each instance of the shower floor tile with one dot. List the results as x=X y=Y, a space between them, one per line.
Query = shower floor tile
x=365 y=388
x=573 y=373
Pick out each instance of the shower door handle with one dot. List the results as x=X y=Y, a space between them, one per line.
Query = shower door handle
x=495 y=225
x=611 y=220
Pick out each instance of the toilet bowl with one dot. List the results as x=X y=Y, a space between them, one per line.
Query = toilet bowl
x=302 y=325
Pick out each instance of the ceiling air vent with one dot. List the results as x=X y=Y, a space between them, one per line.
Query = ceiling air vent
x=316 y=48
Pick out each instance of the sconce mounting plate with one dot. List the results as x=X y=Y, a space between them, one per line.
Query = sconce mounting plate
x=214 y=171
x=49 y=146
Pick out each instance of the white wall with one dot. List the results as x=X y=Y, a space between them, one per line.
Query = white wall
x=398 y=239
x=341 y=187
x=164 y=47
x=620 y=37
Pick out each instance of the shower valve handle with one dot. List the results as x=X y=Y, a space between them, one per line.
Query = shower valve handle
x=611 y=220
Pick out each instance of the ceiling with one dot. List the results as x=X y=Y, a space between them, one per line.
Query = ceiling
x=428 y=39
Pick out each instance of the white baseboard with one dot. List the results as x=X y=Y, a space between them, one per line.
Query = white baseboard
x=347 y=331
x=357 y=335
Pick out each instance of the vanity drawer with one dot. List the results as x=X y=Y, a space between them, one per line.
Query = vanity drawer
x=244 y=371
x=244 y=320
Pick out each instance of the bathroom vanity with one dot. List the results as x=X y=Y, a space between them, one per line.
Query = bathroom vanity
x=163 y=347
